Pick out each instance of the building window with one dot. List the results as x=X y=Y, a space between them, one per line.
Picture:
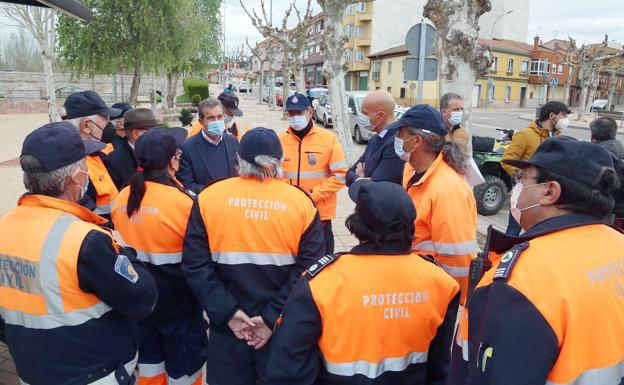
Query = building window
x=361 y=6
x=376 y=69
x=389 y=67
x=540 y=67
x=510 y=64
x=359 y=30
x=508 y=93
x=359 y=55
x=348 y=31
x=494 y=65
x=402 y=93
x=524 y=68
x=560 y=69
x=349 y=54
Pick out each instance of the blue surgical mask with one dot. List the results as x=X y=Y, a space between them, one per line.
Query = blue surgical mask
x=229 y=120
x=298 y=122
x=456 y=118
x=365 y=122
x=216 y=128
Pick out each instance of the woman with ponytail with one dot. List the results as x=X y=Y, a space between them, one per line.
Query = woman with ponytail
x=151 y=214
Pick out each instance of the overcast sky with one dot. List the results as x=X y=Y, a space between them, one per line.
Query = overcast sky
x=585 y=20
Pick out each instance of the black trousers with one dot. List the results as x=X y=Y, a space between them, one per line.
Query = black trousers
x=329 y=236
x=231 y=361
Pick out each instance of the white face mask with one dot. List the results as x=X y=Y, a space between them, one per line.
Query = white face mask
x=398 y=149
x=516 y=212
x=365 y=122
x=83 y=189
x=562 y=123
x=456 y=118
x=229 y=121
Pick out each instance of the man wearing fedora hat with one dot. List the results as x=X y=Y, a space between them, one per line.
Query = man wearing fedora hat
x=121 y=163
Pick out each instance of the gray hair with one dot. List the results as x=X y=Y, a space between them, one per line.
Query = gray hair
x=446 y=99
x=452 y=152
x=603 y=128
x=76 y=121
x=49 y=183
x=265 y=167
x=208 y=103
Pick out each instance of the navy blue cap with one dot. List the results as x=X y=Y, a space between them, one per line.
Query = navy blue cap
x=382 y=204
x=230 y=101
x=297 y=102
x=422 y=117
x=562 y=155
x=55 y=145
x=124 y=107
x=260 y=141
x=87 y=103
x=158 y=145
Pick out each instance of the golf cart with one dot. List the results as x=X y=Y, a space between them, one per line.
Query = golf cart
x=488 y=153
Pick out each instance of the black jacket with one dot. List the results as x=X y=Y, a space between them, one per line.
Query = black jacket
x=380 y=160
x=616 y=148
x=203 y=163
x=121 y=164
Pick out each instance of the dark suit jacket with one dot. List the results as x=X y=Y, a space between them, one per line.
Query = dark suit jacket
x=381 y=162
x=203 y=163
x=121 y=164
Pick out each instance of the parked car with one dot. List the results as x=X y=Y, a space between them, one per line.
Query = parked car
x=244 y=86
x=354 y=109
x=599 y=105
x=322 y=110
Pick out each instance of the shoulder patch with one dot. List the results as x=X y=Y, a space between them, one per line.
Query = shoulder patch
x=508 y=261
x=188 y=193
x=319 y=265
x=124 y=267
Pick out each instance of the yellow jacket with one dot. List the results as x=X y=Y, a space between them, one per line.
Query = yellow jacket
x=524 y=144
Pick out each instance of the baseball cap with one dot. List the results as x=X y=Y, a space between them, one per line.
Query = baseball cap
x=158 y=145
x=297 y=102
x=562 y=155
x=382 y=204
x=54 y=145
x=260 y=141
x=230 y=101
x=422 y=117
x=124 y=107
x=87 y=103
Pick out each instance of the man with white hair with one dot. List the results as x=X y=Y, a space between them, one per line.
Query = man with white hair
x=247 y=242
x=90 y=115
x=69 y=295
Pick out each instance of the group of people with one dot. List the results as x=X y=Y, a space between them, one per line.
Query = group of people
x=167 y=253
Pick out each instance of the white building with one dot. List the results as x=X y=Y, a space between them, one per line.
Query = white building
x=393 y=18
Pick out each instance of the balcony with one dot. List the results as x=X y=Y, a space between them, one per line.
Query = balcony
x=365 y=42
x=368 y=16
x=358 y=65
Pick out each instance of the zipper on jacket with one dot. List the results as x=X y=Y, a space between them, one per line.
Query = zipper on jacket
x=299 y=162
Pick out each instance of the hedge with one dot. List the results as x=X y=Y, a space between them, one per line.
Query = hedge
x=194 y=86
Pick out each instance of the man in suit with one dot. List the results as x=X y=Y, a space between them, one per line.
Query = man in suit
x=117 y=136
x=379 y=161
x=210 y=155
x=121 y=163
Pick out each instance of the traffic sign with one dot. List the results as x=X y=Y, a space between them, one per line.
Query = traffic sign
x=412 y=39
x=411 y=69
x=553 y=82
x=413 y=86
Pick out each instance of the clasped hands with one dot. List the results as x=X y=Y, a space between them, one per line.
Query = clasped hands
x=252 y=330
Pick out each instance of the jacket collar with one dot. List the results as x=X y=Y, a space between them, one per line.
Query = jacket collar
x=537 y=128
x=385 y=248
x=313 y=130
x=432 y=169
x=500 y=242
x=72 y=208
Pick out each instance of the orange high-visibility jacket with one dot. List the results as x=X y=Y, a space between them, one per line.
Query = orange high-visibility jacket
x=373 y=316
x=552 y=309
x=247 y=242
x=446 y=221
x=102 y=182
x=317 y=165
x=60 y=327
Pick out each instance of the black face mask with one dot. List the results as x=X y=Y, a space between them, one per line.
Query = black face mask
x=108 y=133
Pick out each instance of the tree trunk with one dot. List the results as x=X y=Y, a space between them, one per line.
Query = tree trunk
x=121 y=83
x=612 y=86
x=136 y=82
x=153 y=95
x=460 y=57
x=260 y=78
x=272 y=88
x=53 y=114
x=286 y=84
x=566 y=97
x=165 y=95
x=332 y=47
x=299 y=78
x=174 y=90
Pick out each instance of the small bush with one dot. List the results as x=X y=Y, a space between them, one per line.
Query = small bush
x=185 y=112
x=194 y=86
x=196 y=99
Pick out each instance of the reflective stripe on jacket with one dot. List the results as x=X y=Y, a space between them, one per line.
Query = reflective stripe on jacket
x=317 y=165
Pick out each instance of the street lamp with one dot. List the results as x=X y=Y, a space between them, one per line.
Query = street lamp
x=489 y=77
